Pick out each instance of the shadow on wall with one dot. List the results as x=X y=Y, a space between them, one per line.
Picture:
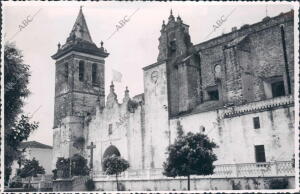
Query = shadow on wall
x=255 y=184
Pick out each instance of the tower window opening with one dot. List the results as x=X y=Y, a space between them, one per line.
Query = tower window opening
x=94 y=74
x=66 y=75
x=81 y=71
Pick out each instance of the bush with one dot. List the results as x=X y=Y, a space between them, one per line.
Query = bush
x=90 y=185
x=54 y=174
x=62 y=168
x=278 y=183
x=79 y=166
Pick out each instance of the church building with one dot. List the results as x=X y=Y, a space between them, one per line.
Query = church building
x=237 y=88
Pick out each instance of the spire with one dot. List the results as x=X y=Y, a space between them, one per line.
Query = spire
x=80 y=29
x=80 y=40
x=179 y=18
x=171 y=17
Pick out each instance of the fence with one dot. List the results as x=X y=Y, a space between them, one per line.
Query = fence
x=266 y=169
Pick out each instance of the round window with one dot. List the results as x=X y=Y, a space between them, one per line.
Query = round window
x=217 y=71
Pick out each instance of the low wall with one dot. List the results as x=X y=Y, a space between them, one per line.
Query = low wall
x=177 y=184
x=62 y=185
x=72 y=184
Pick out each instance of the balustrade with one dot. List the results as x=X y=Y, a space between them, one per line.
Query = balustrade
x=266 y=169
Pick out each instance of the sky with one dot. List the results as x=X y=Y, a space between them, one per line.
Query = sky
x=132 y=47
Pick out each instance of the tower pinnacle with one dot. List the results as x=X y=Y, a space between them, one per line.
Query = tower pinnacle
x=171 y=17
x=112 y=87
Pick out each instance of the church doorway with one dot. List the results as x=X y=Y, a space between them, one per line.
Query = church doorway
x=111 y=150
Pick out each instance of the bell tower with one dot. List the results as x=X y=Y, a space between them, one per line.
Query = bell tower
x=174 y=40
x=79 y=85
x=183 y=72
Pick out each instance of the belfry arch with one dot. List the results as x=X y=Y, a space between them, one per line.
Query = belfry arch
x=111 y=150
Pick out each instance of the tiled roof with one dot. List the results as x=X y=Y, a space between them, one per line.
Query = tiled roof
x=34 y=144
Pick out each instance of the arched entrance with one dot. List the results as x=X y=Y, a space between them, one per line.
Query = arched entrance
x=111 y=150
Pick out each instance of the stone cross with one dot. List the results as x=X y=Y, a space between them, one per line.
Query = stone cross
x=91 y=147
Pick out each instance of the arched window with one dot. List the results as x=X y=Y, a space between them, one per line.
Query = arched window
x=94 y=73
x=66 y=74
x=81 y=71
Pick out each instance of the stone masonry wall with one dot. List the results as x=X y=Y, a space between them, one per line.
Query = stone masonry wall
x=74 y=97
x=253 y=55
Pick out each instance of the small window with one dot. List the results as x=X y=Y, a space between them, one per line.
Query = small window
x=109 y=129
x=213 y=95
x=278 y=89
x=94 y=73
x=260 y=153
x=274 y=87
x=81 y=71
x=66 y=72
x=256 y=122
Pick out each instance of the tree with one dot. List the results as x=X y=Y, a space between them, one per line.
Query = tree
x=16 y=79
x=115 y=165
x=16 y=129
x=18 y=133
x=191 y=154
x=62 y=168
x=31 y=169
x=78 y=167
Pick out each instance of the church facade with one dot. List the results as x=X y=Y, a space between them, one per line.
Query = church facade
x=237 y=88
